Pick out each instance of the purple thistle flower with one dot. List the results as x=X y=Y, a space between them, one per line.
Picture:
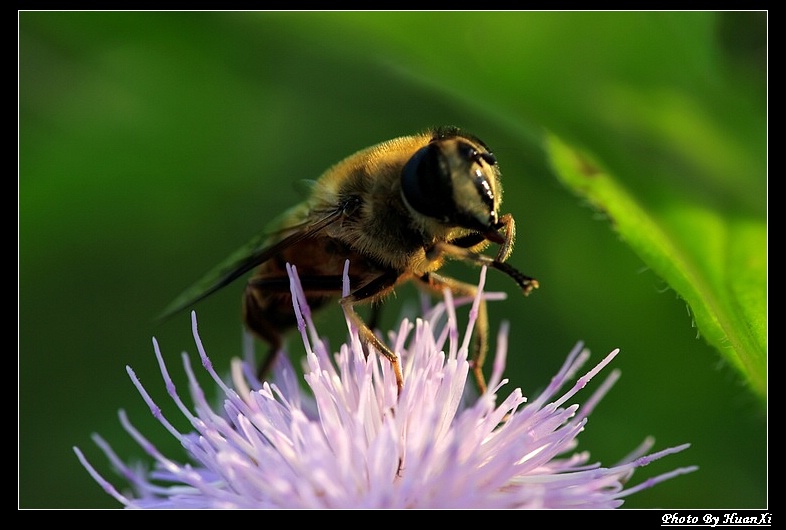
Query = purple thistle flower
x=352 y=442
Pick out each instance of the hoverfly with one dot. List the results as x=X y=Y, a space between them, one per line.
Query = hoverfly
x=396 y=211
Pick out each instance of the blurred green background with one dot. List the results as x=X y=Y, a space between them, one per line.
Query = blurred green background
x=151 y=145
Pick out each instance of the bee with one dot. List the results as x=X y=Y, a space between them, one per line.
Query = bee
x=397 y=211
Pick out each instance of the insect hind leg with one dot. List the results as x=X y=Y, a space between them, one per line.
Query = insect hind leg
x=268 y=312
x=256 y=315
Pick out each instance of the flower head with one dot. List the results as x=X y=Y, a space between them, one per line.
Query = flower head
x=352 y=442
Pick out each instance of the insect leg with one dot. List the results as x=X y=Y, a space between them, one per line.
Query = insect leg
x=438 y=283
x=462 y=249
x=505 y=241
x=257 y=320
x=506 y=248
x=369 y=292
x=526 y=283
x=267 y=308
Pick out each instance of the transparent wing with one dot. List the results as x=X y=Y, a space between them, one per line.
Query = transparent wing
x=255 y=252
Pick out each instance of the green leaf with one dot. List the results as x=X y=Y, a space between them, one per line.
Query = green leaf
x=716 y=262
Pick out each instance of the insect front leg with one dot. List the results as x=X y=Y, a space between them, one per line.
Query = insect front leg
x=505 y=249
x=505 y=240
x=526 y=283
x=462 y=249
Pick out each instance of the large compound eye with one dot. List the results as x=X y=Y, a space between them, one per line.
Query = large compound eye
x=454 y=181
x=426 y=183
